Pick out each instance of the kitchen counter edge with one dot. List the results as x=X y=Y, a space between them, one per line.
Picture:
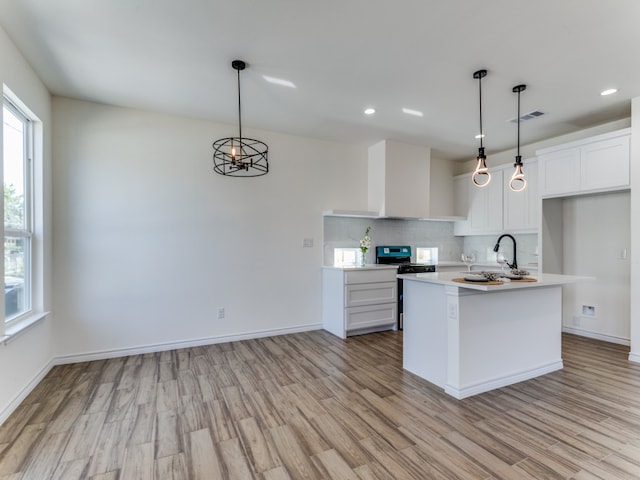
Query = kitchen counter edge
x=446 y=278
x=368 y=266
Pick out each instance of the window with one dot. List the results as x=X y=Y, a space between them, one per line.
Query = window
x=17 y=139
x=428 y=255
x=346 y=257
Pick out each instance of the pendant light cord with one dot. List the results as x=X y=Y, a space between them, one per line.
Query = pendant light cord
x=518 y=89
x=240 y=110
x=480 y=95
x=518 y=154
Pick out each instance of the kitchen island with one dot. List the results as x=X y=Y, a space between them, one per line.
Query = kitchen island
x=469 y=338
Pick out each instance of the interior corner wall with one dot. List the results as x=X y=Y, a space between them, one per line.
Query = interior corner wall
x=635 y=230
x=596 y=241
x=24 y=359
x=441 y=191
x=149 y=242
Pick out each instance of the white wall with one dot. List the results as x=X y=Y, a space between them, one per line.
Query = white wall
x=635 y=230
x=595 y=234
x=149 y=241
x=25 y=358
x=441 y=191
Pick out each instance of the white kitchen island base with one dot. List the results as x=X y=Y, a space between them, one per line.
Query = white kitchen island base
x=470 y=339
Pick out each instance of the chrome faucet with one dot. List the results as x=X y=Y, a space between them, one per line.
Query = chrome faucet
x=513 y=265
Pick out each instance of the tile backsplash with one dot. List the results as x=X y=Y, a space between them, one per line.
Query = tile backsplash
x=348 y=231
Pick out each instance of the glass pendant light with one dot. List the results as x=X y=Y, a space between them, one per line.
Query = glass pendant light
x=481 y=176
x=518 y=183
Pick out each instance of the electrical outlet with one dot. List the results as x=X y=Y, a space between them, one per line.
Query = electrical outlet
x=220 y=313
x=588 y=311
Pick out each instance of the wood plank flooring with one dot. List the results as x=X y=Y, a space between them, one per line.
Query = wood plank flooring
x=312 y=406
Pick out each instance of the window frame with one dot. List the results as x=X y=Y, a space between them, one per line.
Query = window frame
x=29 y=232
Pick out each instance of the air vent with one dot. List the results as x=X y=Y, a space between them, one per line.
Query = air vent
x=527 y=116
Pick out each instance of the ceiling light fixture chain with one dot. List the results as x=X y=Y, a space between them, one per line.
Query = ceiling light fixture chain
x=239 y=156
x=518 y=183
x=481 y=176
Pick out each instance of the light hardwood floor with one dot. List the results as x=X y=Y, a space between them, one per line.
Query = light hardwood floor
x=312 y=406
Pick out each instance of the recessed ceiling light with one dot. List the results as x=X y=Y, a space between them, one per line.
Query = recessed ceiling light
x=480 y=136
x=608 y=91
x=369 y=111
x=415 y=113
x=279 y=81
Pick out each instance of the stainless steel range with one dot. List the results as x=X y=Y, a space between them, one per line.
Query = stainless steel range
x=401 y=256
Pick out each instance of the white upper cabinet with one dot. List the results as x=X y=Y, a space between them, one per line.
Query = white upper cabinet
x=485 y=206
x=483 y=210
x=521 y=210
x=560 y=172
x=594 y=164
x=605 y=164
x=496 y=208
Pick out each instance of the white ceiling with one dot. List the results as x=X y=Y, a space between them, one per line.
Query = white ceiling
x=344 y=55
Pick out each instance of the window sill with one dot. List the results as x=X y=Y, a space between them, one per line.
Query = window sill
x=15 y=329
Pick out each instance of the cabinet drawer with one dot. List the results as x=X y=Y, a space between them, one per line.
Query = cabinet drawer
x=358 y=318
x=360 y=294
x=370 y=276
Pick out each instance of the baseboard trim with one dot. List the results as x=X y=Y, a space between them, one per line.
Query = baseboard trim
x=481 y=387
x=596 y=336
x=634 y=357
x=22 y=394
x=197 y=342
x=158 y=347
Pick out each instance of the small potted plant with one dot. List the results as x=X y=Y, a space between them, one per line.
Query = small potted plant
x=365 y=244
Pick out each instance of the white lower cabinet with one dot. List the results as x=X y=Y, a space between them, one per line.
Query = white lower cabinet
x=359 y=300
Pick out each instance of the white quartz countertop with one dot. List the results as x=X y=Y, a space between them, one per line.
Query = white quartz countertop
x=446 y=278
x=368 y=266
x=483 y=265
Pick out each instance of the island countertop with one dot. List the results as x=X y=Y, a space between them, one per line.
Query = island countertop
x=446 y=278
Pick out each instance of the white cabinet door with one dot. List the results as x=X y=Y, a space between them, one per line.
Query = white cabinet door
x=521 y=209
x=484 y=211
x=605 y=164
x=560 y=172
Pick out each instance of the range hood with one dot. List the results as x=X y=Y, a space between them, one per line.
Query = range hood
x=399 y=180
x=404 y=182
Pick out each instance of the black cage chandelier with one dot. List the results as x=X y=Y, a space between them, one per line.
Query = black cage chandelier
x=239 y=156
